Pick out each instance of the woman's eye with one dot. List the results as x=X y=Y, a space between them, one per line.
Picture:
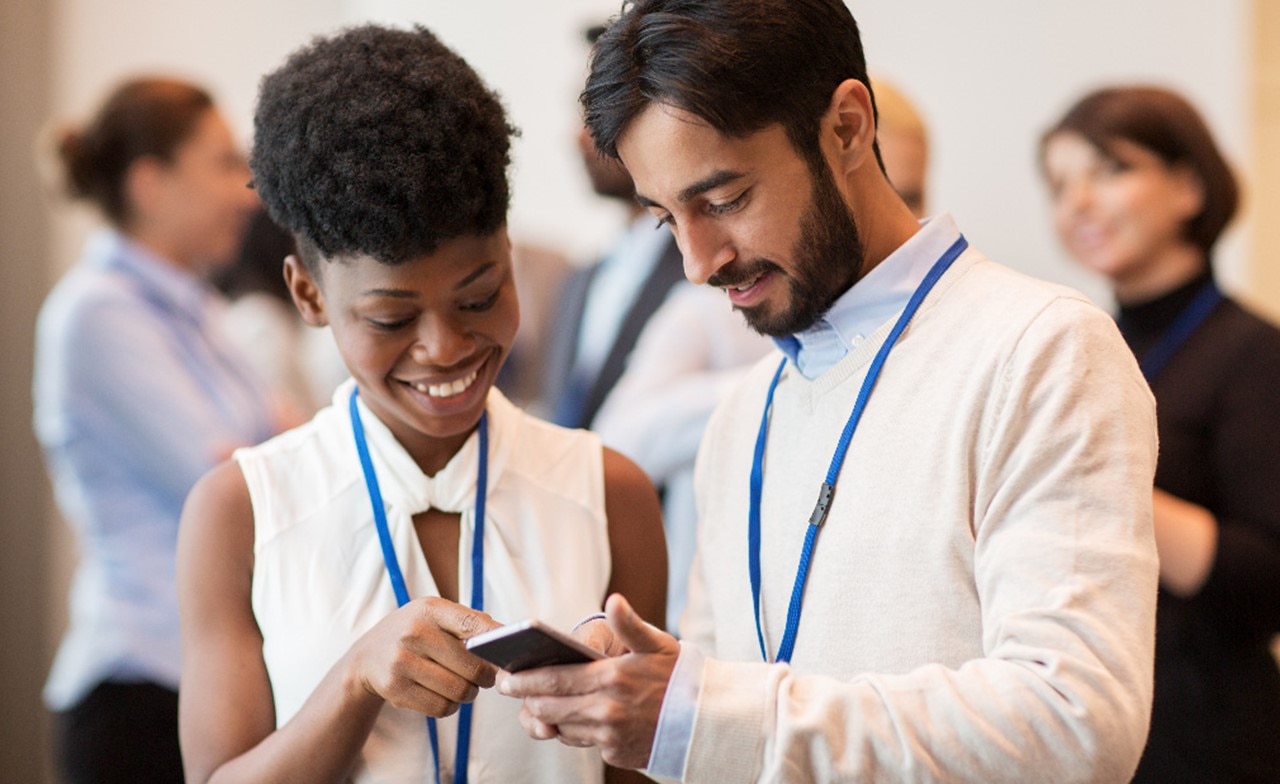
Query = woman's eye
x=390 y=325
x=1110 y=167
x=484 y=304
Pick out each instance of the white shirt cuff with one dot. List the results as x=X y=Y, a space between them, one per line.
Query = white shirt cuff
x=675 y=721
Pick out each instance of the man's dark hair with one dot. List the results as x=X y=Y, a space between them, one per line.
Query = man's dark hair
x=1164 y=123
x=382 y=142
x=739 y=65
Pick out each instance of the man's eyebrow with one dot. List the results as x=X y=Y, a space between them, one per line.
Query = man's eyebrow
x=710 y=182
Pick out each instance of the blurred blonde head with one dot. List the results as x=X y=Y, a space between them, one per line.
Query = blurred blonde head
x=904 y=144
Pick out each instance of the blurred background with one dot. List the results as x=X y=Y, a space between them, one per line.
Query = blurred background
x=988 y=76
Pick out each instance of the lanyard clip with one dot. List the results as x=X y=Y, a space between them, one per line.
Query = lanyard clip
x=820 y=510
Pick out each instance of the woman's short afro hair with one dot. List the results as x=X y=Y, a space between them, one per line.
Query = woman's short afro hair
x=380 y=142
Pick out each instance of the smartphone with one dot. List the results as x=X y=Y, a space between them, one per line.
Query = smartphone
x=529 y=644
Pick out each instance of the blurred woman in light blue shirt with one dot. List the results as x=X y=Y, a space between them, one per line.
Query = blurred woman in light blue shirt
x=135 y=397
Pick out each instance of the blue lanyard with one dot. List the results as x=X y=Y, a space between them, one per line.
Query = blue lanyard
x=397 y=577
x=827 y=491
x=1173 y=338
x=197 y=363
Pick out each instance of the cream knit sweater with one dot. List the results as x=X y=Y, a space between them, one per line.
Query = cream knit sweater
x=981 y=602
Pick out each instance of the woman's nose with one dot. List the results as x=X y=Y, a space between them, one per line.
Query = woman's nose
x=1075 y=196
x=441 y=342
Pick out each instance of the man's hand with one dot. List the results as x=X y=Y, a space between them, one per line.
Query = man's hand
x=598 y=634
x=613 y=703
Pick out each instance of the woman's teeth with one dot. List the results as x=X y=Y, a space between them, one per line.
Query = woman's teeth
x=449 y=388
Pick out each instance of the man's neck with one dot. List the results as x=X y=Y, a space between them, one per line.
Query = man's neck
x=884 y=222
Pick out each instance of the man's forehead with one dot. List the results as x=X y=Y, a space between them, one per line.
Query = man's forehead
x=658 y=125
x=673 y=154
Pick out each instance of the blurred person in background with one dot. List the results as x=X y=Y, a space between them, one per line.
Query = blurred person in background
x=300 y=364
x=1140 y=194
x=136 y=395
x=904 y=145
x=642 y=356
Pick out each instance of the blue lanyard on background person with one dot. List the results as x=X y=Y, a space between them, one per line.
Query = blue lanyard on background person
x=397 y=577
x=197 y=363
x=827 y=491
x=1182 y=328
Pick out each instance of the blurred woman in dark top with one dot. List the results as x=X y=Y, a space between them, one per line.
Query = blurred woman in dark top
x=1141 y=194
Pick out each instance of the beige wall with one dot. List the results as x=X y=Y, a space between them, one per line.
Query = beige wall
x=57 y=58
x=25 y=77
x=1263 y=194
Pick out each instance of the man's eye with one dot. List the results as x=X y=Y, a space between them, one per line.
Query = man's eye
x=727 y=207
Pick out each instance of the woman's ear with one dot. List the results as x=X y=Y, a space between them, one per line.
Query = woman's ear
x=144 y=186
x=307 y=297
x=1188 y=192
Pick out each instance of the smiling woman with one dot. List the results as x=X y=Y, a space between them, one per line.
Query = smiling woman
x=329 y=577
x=1141 y=194
x=418 y=335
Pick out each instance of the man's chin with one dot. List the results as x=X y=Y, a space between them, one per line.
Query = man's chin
x=775 y=325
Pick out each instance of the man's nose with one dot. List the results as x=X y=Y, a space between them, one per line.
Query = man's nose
x=706 y=247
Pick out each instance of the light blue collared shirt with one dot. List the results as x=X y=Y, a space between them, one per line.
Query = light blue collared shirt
x=135 y=398
x=874 y=300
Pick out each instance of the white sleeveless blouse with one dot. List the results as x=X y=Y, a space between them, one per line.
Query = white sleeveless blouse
x=319 y=581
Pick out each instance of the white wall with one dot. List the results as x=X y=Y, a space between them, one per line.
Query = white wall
x=989 y=75
x=225 y=46
x=534 y=54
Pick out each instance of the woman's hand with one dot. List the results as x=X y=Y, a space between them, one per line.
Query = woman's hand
x=415 y=657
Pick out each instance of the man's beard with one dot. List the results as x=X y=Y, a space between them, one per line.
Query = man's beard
x=827 y=257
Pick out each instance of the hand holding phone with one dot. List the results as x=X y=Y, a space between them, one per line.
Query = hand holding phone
x=529 y=644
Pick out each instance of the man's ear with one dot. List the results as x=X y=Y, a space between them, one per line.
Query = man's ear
x=307 y=297
x=848 y=128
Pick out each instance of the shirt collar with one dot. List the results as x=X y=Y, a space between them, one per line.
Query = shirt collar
x=870 y=302
x=164 y=283
x=453 y=487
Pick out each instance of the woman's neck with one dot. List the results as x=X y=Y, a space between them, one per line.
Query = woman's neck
x=1174 y=267
x=160 y=245
x=431 y=453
